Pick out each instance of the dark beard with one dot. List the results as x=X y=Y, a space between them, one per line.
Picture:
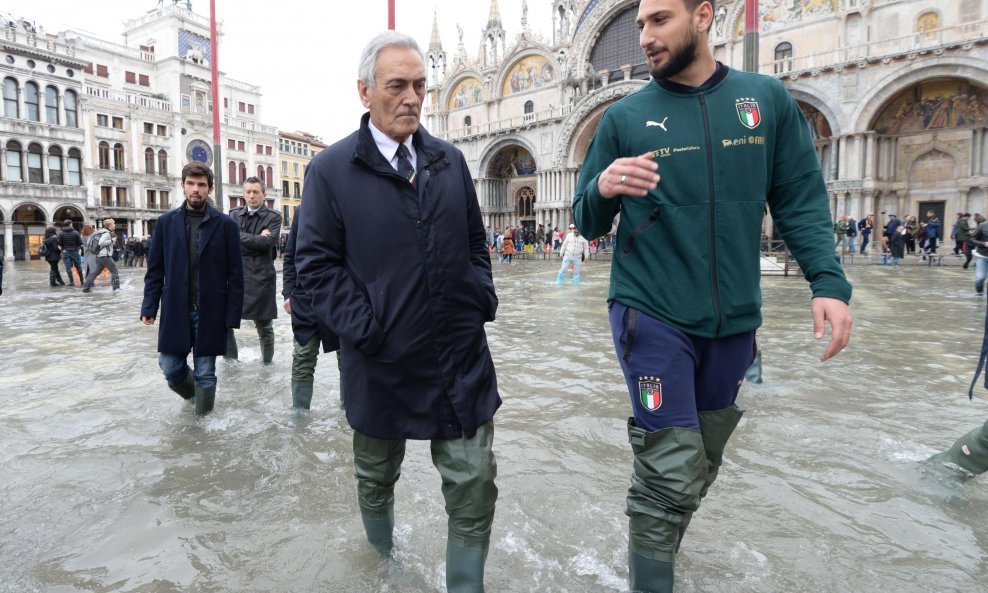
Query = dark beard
x=678 y=60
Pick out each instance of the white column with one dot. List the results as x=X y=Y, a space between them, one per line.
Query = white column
x=8 y=241
x=870 y=141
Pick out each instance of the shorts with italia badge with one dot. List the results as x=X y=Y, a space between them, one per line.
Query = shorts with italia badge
x=671 y=375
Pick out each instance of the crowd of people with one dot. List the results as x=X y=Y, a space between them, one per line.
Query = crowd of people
x=85 y=256
x=520 y=239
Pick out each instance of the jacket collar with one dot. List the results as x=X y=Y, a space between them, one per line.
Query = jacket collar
x=674 y=87
x=427 y=148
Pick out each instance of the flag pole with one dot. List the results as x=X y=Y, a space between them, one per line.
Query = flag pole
x=214 y=44
x=751 y=35
x=391 y=14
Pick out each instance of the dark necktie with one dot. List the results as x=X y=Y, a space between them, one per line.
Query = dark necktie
x=405 y=168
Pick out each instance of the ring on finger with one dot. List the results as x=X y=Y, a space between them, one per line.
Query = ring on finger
x=623 y=179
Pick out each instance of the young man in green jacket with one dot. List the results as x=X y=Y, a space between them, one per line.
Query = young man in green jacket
x=684 y=297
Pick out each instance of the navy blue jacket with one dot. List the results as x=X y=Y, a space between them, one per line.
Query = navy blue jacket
x=304 y=320
x=221 y=282
x=400 y=273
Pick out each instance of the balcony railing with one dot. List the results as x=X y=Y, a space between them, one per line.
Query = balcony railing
x=502 y=125
x=250 y=125
x=131 y=98
x=874 y=51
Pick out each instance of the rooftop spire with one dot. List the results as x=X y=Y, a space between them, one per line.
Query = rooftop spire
x=436 y=43
x=495 y=16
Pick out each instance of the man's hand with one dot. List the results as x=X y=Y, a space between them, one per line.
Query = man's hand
x=629 y=176
x=265 y=233
x=838 y=314
x=288 y=306
x=147 y=320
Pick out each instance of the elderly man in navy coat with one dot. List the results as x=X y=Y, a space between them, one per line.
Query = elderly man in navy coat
x=195 y=272
x=391 y=248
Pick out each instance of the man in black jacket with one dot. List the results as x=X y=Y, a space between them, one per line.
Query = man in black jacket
x=259 y=230
x=391 y=248
x=305 y=329
x=71 y=242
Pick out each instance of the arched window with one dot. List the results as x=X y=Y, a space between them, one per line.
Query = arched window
x=529 y=107
x=35 y=174
x=32 y=101
x=118 y=157
x=783 y=57
x=10 y=107
x=51 y=105
x=243 y=173
x=103 y=150
x=231 y=172
x=149 y=161
x=260 y=171
x=269 y=177
x=14 y=170
x=467 y=121
x=74 y=166
x=526 y=202
x=71 y=115
x=55 y=176
x=618 y=45
x=928 y=21
x=162 y=162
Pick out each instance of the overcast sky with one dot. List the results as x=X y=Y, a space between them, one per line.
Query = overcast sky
x=303 y=54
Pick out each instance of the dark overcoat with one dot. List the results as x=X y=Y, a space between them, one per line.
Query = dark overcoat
x=221 y=282
x=305 y=323
x=400 y=273
x=260 y=279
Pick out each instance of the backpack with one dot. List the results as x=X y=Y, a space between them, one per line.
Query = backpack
x=92 y=243
x=42 y=249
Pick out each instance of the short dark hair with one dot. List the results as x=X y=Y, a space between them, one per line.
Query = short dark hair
x=692 y=5
x=197 y=170
x=256 y=180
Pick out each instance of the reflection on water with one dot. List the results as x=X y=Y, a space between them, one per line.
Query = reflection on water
x=109 y=483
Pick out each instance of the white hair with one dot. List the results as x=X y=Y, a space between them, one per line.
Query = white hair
x=368 y=58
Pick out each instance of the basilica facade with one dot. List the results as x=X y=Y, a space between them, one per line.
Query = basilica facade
x=895 y=93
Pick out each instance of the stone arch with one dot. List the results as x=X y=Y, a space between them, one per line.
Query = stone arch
x=70 y=211
x=585 y=110
x=600 y=14
x=492 y=150
x=812 y=96
x=878 y=94
x=938 y=164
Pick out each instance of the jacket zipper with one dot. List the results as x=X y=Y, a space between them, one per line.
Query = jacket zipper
x=713 y=235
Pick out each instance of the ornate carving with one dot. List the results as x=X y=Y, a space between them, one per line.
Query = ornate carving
x=584 y=108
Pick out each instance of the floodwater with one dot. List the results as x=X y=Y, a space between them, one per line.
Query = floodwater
x=109 y=483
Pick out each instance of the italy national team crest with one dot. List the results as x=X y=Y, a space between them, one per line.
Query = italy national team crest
x=650 y=392
x=748 y=113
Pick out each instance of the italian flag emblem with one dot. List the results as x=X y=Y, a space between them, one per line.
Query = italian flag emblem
x=749 y=113
x=650 y=390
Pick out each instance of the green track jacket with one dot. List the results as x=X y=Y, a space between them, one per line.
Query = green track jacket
x=688 y=253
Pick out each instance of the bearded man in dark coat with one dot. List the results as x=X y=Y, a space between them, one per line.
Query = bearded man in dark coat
x=260 y=228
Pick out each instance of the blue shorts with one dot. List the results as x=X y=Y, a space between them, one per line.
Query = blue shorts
x=672 y=375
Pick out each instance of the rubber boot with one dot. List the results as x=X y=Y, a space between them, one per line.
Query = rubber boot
x=187 y=388
x=205 y=397
x=561 y=277
x=51 y=278
x=465 y=568
x=970 y=452
x=380 y=532
x=231 y=345
x=716 y=428
x=649 y=576
x=115 y=283
x=265 y=335
x=669 y=473
x=576 y=278
x=301 y=394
